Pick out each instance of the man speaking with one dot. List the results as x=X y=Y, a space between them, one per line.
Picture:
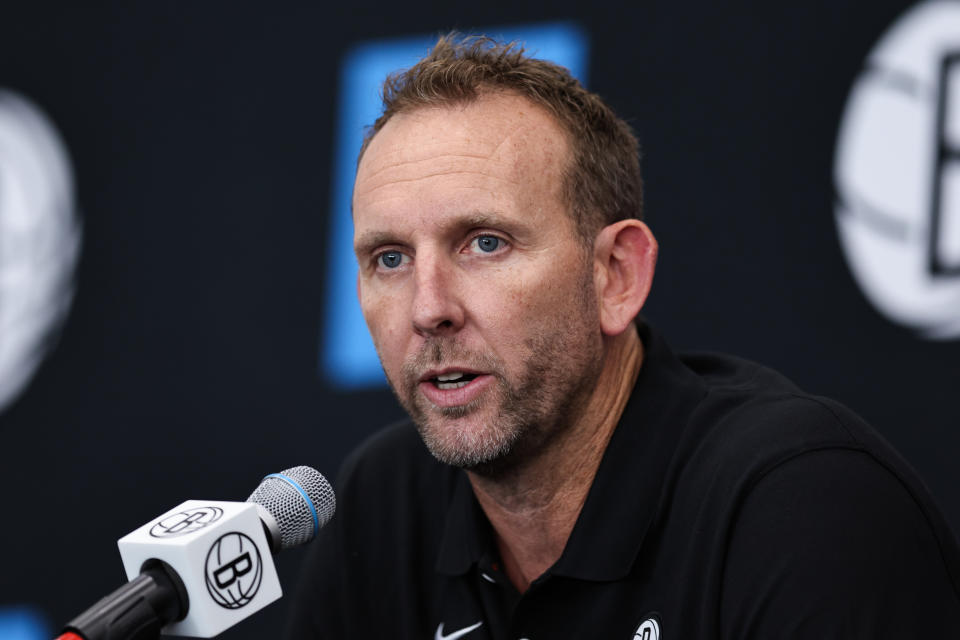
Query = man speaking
x=579 y=480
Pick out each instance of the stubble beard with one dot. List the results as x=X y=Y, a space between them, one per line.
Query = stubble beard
x=545 y=401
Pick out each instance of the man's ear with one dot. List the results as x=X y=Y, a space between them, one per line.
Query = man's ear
x=624 y=257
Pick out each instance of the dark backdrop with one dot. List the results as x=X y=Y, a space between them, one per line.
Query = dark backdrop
x=201 y=137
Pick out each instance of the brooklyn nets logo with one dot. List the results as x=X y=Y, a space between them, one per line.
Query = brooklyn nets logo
x=649 y=629
x=39 y=240
x=897 y=172
x=233 y=570
x=184 y=522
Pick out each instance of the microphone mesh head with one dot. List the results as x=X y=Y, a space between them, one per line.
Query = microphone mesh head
x=280 y=494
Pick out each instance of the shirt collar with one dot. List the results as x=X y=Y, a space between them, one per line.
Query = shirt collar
x=467 y=535
x=626 y=492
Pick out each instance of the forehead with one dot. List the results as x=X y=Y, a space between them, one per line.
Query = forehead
x=499 y=142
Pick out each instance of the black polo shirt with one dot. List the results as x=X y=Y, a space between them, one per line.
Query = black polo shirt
x=729 y=504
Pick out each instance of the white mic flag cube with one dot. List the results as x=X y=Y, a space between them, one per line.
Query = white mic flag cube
x=220 y=551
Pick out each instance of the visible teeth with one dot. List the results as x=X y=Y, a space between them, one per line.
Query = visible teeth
x=446 y=377
x=452 y=385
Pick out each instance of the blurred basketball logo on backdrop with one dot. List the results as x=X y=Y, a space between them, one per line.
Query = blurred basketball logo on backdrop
x=39 y=240
x=233 y=570
x=184 y=522
x=897 y=172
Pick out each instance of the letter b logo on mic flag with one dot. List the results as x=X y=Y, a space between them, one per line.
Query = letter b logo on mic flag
x=220 y=552
x=234 y=569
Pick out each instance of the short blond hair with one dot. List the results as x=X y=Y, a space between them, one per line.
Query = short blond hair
x=602 y=183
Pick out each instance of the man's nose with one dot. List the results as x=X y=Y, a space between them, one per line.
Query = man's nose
x=437 y=305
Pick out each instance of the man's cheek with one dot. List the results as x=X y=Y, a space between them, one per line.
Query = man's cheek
x=380 y=308
x=386 y=336
x=537 y=286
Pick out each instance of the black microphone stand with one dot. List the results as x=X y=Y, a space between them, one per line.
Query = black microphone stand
x=136 y=611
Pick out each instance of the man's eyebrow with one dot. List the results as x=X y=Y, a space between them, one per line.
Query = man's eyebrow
x=371 y=239
x=492 y=219
x=483 y=219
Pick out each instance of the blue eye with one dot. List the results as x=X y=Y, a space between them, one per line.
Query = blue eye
x=390 y=259
x=487 y=244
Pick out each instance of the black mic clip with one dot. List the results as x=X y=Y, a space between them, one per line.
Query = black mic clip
x=138 y=610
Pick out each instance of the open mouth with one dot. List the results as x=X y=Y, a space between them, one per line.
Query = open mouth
x=455 y=380
x=446 y=388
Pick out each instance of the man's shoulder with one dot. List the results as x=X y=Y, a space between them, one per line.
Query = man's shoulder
x=750 y=408
x=718 y=423
x=751 y=420
x=755 y=442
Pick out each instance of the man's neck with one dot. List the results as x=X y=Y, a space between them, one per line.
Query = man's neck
x=533 y=509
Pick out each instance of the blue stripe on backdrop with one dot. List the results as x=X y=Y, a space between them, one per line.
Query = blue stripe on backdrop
x=348 y=359
x=23 y=623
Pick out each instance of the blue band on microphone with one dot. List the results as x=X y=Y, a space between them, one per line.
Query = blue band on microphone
x=293 y=483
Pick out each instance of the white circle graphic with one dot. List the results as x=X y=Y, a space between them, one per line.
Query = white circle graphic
x=649 y=629
x=897 y=172
x=234 y=570
x=39 y=240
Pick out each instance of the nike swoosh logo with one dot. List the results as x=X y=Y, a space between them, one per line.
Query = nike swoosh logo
x=456 y=634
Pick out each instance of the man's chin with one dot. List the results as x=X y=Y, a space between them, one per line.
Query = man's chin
x=462 y=437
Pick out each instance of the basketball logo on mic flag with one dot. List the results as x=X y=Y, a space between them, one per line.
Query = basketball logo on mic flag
x=225 y=562
x=233 y=569
x=201 y=584
x=185 y=522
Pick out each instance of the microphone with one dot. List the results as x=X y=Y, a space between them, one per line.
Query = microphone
x=205 y=565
